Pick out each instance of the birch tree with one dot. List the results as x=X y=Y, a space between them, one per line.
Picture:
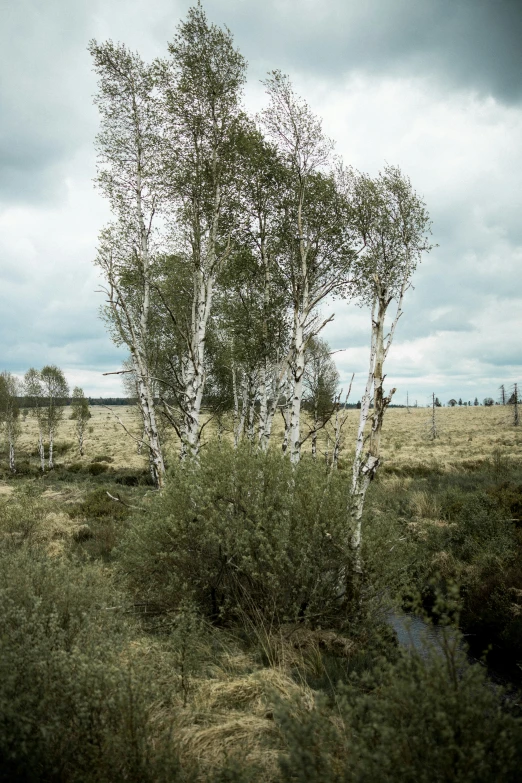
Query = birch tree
x=201 y=87
x=55 y=394
x=393 y=227
x=34 y=394
x=316 y=261
x=261 y=233
x=128 y=162
x=10 y=414
x=321 y=379
x=80 y=414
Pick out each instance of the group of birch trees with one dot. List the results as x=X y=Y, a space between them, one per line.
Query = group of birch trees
x=44 y=394
x=229 y=233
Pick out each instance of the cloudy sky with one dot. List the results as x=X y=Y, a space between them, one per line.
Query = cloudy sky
x=434 y=86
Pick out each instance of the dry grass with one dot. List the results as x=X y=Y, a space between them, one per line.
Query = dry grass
x=104 y=437
x=468 y=436
x=229 y=712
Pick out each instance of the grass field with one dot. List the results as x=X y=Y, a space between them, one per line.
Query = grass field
x=160 y=690
x=465 y=435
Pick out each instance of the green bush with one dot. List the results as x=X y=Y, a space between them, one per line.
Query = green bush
x=244 y=536
x=95 y=468
x=70 y=709
x=480 y=530
x=420 y=720
x=98 y=505
x=133 y=478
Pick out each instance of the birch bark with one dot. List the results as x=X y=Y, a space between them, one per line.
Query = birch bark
x=200 y=87
x=392 y=223
x=128 y=176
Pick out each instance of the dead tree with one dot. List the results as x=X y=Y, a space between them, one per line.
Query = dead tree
x=433 y=432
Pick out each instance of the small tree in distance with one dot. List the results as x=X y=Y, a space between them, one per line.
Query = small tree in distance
x=514 y=400
x=10 y=413
x=81 y=414
x=34 y=396
x=320 y=380
x=55 y=391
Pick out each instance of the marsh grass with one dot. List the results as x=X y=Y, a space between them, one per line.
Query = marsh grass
x=96 y=686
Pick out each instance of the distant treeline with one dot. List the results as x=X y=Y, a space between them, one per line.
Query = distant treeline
x=26 y=402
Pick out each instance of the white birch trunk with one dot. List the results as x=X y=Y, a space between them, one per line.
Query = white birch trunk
x=80 y=428
x=146 y=402
x=298 y=367
x=337 y=438
x=240 y=422
x=365 y=467
x=263 y=405
x=193 y=375
x=278 y=386
x=41 y=449
x=145 y=392
x=252 y=396
x=50 y=461
x=12 y=466
x=235 y=422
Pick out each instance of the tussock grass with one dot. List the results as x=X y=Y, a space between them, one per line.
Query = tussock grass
x=189 y=701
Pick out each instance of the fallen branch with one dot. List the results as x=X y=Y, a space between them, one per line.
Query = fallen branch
x=117 y=499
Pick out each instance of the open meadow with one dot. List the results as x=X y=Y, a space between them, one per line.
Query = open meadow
x=466 y=437
x=194 y=634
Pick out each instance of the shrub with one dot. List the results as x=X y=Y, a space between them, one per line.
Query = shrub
x=134 y=478
x=420 y=720
x=95 y=468
x=243 y=535
x=98 y=505
x=480 y=530
x=71 y=708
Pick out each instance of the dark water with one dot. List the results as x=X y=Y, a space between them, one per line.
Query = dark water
x=414 y=633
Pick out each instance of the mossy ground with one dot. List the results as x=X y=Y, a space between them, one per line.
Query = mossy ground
x=172 y=697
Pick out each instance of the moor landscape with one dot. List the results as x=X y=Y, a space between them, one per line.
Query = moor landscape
x=245 y=562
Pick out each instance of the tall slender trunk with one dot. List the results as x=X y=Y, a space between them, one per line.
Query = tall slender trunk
x=193 y=371
x=252 y=396
x=337 y=438
x=263 y=403
x=80 y=428
x=51 y=445
x=298 y=366
x=365 y=466
x=140 y=358
x=315 y=429
x=148 y=411
x=235 y=395
x=242 y=403
x=12 y=466
x=41 y=448
x=314 y=443
x=278 y=386
x=285 y=413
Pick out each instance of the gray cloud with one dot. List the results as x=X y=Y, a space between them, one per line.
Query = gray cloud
x=44 y=96
x=470 y=44
x=433 y=85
